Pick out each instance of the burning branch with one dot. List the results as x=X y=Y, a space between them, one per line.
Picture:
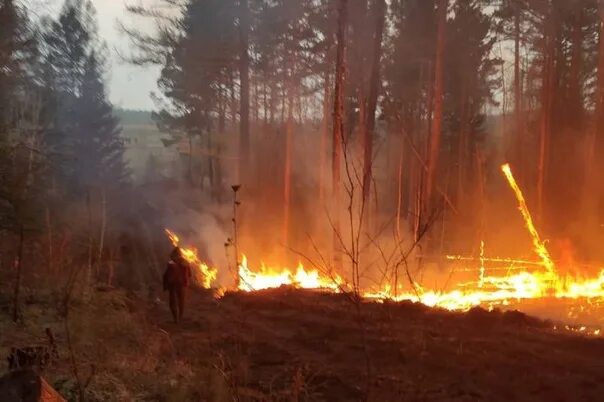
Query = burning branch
x=540 y=248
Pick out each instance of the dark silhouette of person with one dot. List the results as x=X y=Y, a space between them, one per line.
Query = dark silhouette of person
x=176 y=280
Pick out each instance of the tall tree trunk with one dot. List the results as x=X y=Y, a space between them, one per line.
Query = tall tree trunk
x=99 y=261
x=517 y=151
x=374 y=88
x=50 y=241
x=190 y=160
x=265 y=101
x=221 y=108
x=324 y=134
x=233 y=102
x=18 y=268
x=256 y=99
x=287 y=171
x=210 y=160
x=576 y=67
x=544 y=125
x=464 y=141
x=338 y=126
x=244 y=75
x=594 y=188
x=436 y=125
x=400 y=190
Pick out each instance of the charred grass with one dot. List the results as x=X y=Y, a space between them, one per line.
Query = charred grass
x=286 y=345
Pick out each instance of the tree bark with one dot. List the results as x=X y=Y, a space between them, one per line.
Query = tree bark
x=338 y=126
x=244 y=96
x=374 y=88
x=287 y=171
x=518 y=135
x=18 y=267
x=594 y=188
x=464 y=141
x=324 y=133
x=436 y=125
x=544 y=125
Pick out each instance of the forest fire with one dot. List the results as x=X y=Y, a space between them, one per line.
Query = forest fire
x=205 y=275
x=488 y=291
x=272 y=277
x=492 y=291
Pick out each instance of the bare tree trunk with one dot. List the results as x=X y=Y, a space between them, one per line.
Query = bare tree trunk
x=338 y=126
x=88 y=283
x=111 y=268
x=544 y=126
x=362 y=124
x=265 y=100
x=221 y=108
x=518 y=135
x=244 y=75
x=256 y=99
x=190 y=160
x=399 y=201
x=594 y=189
x=576 y=68
x=50 y=240
x=374 y=89
x=436 y=126
x=287 y=171
x=211 y=160
x=233 y=99
x=103 y=228
x=464 y=140
x=324 y=134
x=18 y=267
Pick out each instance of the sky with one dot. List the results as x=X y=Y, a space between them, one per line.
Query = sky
x=129 y=86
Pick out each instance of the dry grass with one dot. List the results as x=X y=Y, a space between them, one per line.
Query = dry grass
x=287 y=345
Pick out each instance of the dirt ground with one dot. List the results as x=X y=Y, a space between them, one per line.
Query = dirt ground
x=320 y=348
x=292 y=345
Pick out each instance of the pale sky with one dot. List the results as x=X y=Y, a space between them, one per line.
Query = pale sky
x=129 y=86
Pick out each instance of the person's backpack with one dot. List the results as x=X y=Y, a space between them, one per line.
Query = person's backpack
x=171 y=275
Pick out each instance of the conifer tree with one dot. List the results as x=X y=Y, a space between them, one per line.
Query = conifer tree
x=86 y=134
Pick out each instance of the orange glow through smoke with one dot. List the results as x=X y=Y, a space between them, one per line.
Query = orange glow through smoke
x=487 y=290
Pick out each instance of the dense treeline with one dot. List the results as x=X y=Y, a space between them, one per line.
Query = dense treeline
x=346 y=122
x=62 y=164
x=436 y=95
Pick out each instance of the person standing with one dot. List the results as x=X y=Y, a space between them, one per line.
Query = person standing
x=176 y=280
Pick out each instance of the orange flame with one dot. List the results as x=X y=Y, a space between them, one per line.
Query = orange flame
x=204 y=274
x=272 y=277
x=528 y=220
x=519 y=283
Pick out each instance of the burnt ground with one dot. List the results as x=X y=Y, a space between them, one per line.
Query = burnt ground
x=292 y=345
x=283 y=343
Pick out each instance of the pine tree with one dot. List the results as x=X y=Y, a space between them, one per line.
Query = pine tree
x=96 y=141
x=86 y=134
x=19 y=114
x=16 y=47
